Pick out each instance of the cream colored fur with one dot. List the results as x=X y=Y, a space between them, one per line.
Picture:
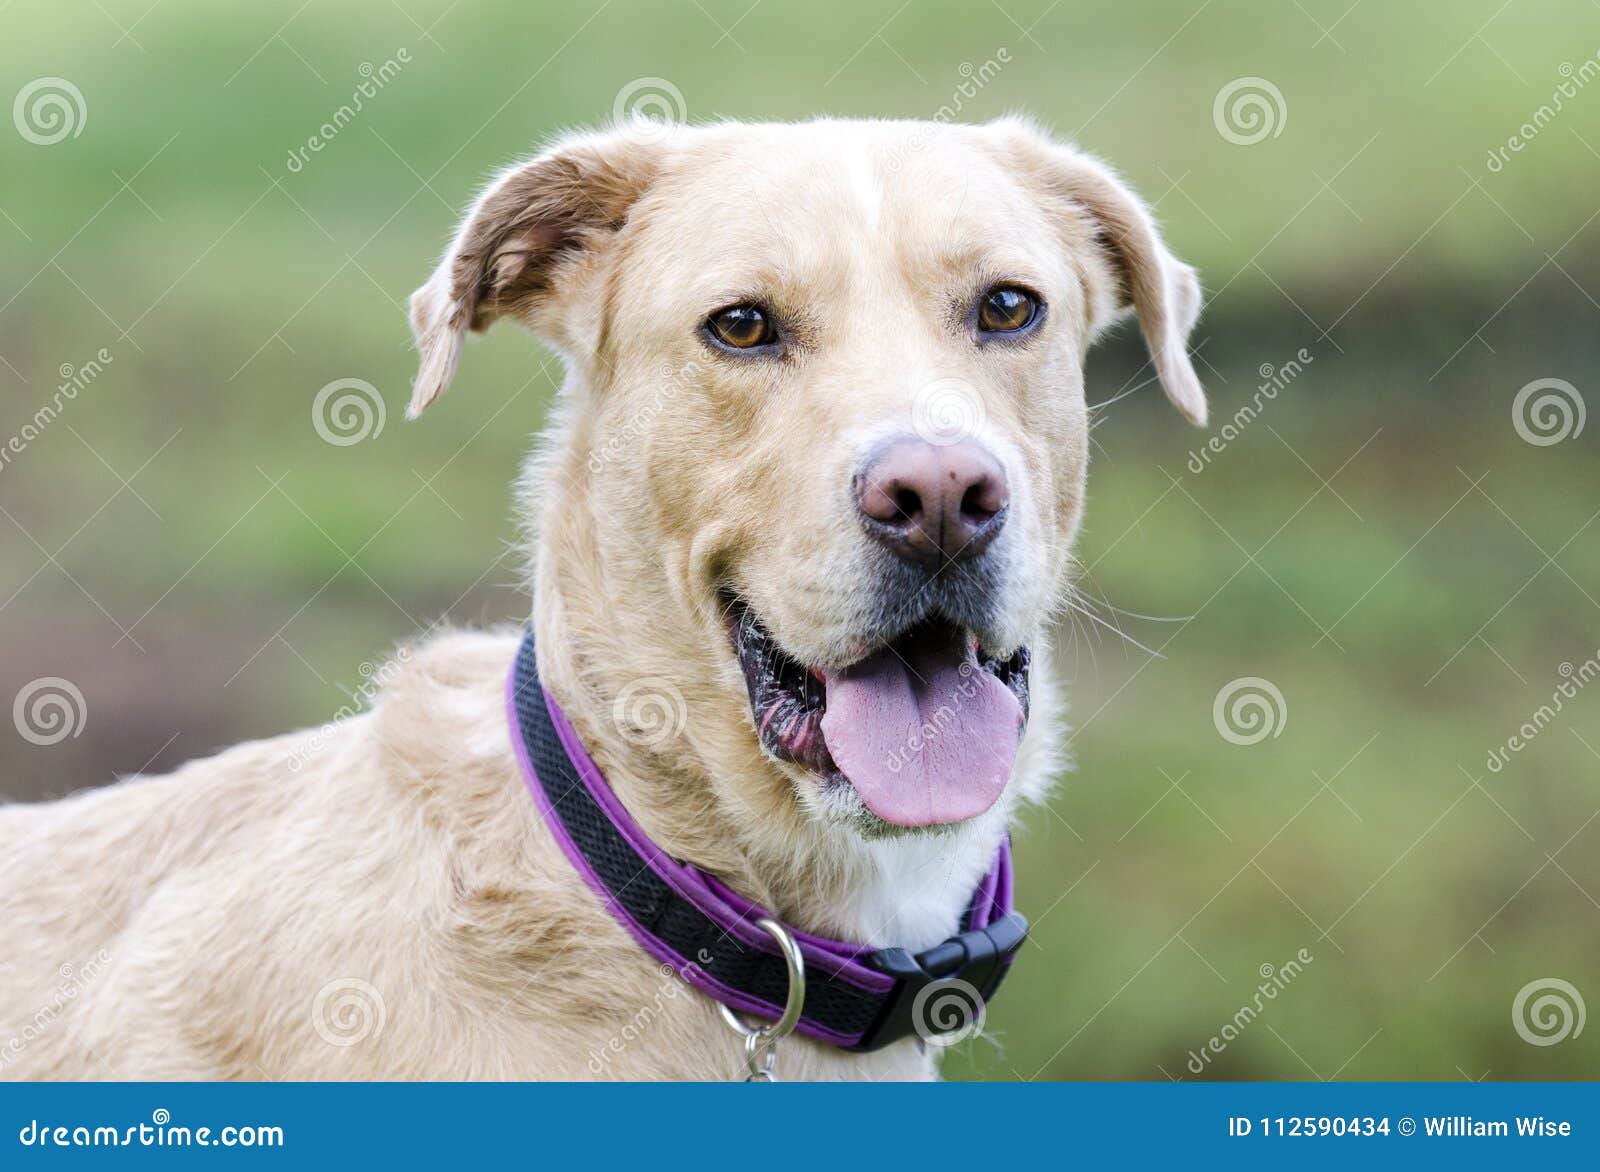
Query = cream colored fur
x=396 y=908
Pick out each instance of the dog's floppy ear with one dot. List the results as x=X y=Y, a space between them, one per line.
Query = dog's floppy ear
x=1161 y=289
x=531 y=227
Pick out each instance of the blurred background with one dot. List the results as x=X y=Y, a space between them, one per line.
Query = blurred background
x=1318 y=646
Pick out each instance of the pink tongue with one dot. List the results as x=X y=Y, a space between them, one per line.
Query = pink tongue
x=924 y=734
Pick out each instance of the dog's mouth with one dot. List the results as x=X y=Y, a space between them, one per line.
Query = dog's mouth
x=925 y=727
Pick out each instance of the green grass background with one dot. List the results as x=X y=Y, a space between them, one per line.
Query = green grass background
x=1380 y=543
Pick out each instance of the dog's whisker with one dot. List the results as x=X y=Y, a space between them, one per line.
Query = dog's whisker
x=1072 y=601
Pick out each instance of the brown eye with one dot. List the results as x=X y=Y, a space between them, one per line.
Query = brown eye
x=1006 y=309
x=742 y=326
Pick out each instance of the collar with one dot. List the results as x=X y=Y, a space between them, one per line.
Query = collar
x=856 y=997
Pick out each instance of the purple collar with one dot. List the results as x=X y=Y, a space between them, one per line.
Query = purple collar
x=857 y=997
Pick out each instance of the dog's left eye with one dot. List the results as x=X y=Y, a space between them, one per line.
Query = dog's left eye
x=743 y=327
x=1005 y=309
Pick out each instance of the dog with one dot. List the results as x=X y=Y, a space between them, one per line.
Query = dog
x=818 y=460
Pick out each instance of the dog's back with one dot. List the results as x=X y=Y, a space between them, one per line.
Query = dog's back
x=110 y=899
x=238 y=917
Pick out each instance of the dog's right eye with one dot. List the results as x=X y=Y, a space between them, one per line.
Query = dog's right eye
x=742 y=327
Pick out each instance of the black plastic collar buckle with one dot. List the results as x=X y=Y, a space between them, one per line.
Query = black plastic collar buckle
x=944 y=989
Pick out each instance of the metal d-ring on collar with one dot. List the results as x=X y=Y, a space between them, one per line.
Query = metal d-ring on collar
x=761 y=1042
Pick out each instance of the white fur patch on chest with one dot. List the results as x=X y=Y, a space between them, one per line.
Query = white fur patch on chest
x=919 y=887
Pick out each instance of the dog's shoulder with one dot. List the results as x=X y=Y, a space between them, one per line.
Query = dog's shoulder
x=440 y=719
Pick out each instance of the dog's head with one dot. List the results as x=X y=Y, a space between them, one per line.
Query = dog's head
x=831 y=389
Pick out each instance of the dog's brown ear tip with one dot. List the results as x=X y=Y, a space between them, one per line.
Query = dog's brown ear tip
x=439 y=357
x=1189 y=397
x=427 y=388
x=437 y=326
x=1179 y=380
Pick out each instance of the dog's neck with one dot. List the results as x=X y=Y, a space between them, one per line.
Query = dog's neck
x=704 y=791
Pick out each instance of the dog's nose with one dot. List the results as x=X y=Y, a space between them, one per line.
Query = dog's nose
x=932 y=503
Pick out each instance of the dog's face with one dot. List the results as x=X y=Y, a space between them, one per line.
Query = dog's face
x=835 y=380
